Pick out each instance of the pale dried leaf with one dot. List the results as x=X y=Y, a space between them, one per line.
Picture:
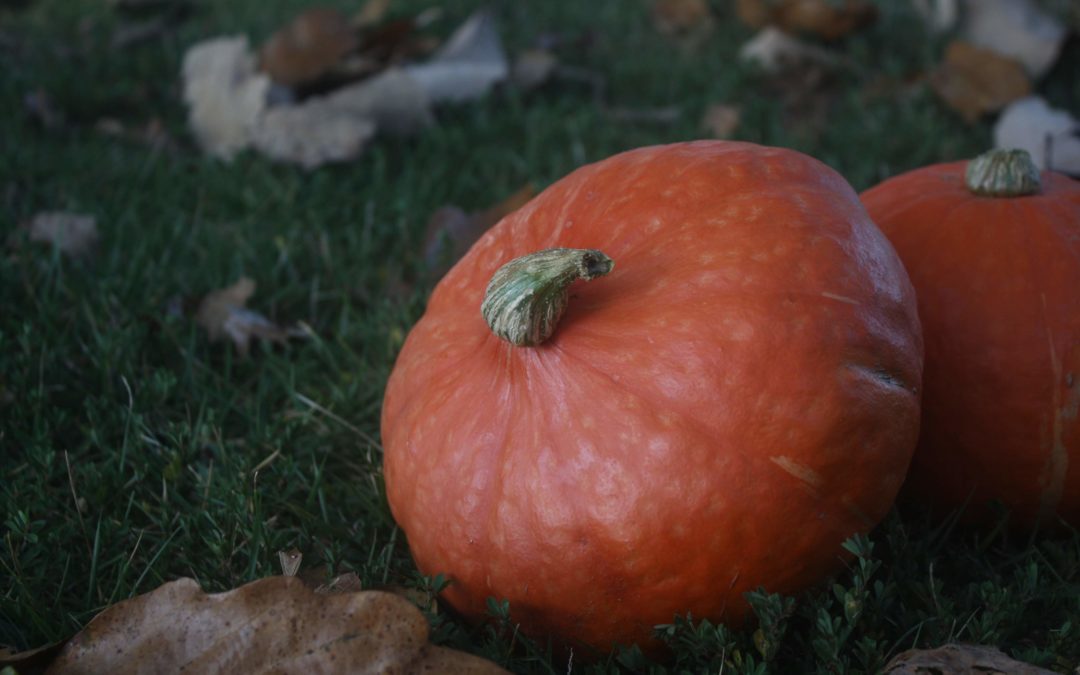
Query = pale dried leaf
x=470 y=63
x=290 y=561
x=342 y=583
x=222 y=313
x=721 y=120
x=311 y=134
x=1052 y=136
x=974 y=81
x=828 y=19
x=959 y=660
x=307 y=47
x=939 y=15
x=392 y=100
x=225 y=95
x=690 y=21
x=73 y=234
x=532 y=68
x=773 y=50
x=274 y=625
x=1018 y=29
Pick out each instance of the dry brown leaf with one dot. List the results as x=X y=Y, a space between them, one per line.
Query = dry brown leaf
x=825 y=18
x=274 y=625
x=222 y=313
x=721 y=120
x=690 y=21
x=307 y=47
x=451 y=231
x=959 y=660
x=973 y=81
x=74 y=234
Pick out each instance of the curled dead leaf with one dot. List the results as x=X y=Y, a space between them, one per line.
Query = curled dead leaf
x=827 y=19
x=73 y=234
x=307 y=47
x=959 y=660
x=222 y=313
x=274 y=625
x=974 y=81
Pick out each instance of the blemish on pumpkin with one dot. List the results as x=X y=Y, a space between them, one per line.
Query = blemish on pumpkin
x=839 y=298
x=800 y=471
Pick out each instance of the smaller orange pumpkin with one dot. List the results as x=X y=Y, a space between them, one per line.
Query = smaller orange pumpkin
x=993 y=250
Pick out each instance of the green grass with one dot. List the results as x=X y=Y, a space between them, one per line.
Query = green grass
x=129 y=444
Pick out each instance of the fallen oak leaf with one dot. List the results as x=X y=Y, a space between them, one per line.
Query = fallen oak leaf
x=959 y=660
x=974 y=81
x=828 y=19
x=222 y=313
x=307 y=47
x=273 y=625
x=73 y=234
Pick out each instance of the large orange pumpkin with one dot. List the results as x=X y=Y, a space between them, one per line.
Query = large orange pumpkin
x=998 y=281
x=734 y=399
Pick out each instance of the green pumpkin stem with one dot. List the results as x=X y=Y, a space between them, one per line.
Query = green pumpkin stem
x=1003 y=173
x=527 y=296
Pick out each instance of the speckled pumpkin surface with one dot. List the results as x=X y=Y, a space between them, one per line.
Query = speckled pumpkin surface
x=738 y=396
x=998 y=280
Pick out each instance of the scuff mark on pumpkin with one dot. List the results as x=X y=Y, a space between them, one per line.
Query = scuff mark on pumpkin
x=1057 y=463
x=804 y=473
x=881 y=375
x=839 y=298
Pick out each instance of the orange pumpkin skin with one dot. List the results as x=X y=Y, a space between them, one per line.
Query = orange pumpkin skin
x=998 y=283
x=717 y=414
